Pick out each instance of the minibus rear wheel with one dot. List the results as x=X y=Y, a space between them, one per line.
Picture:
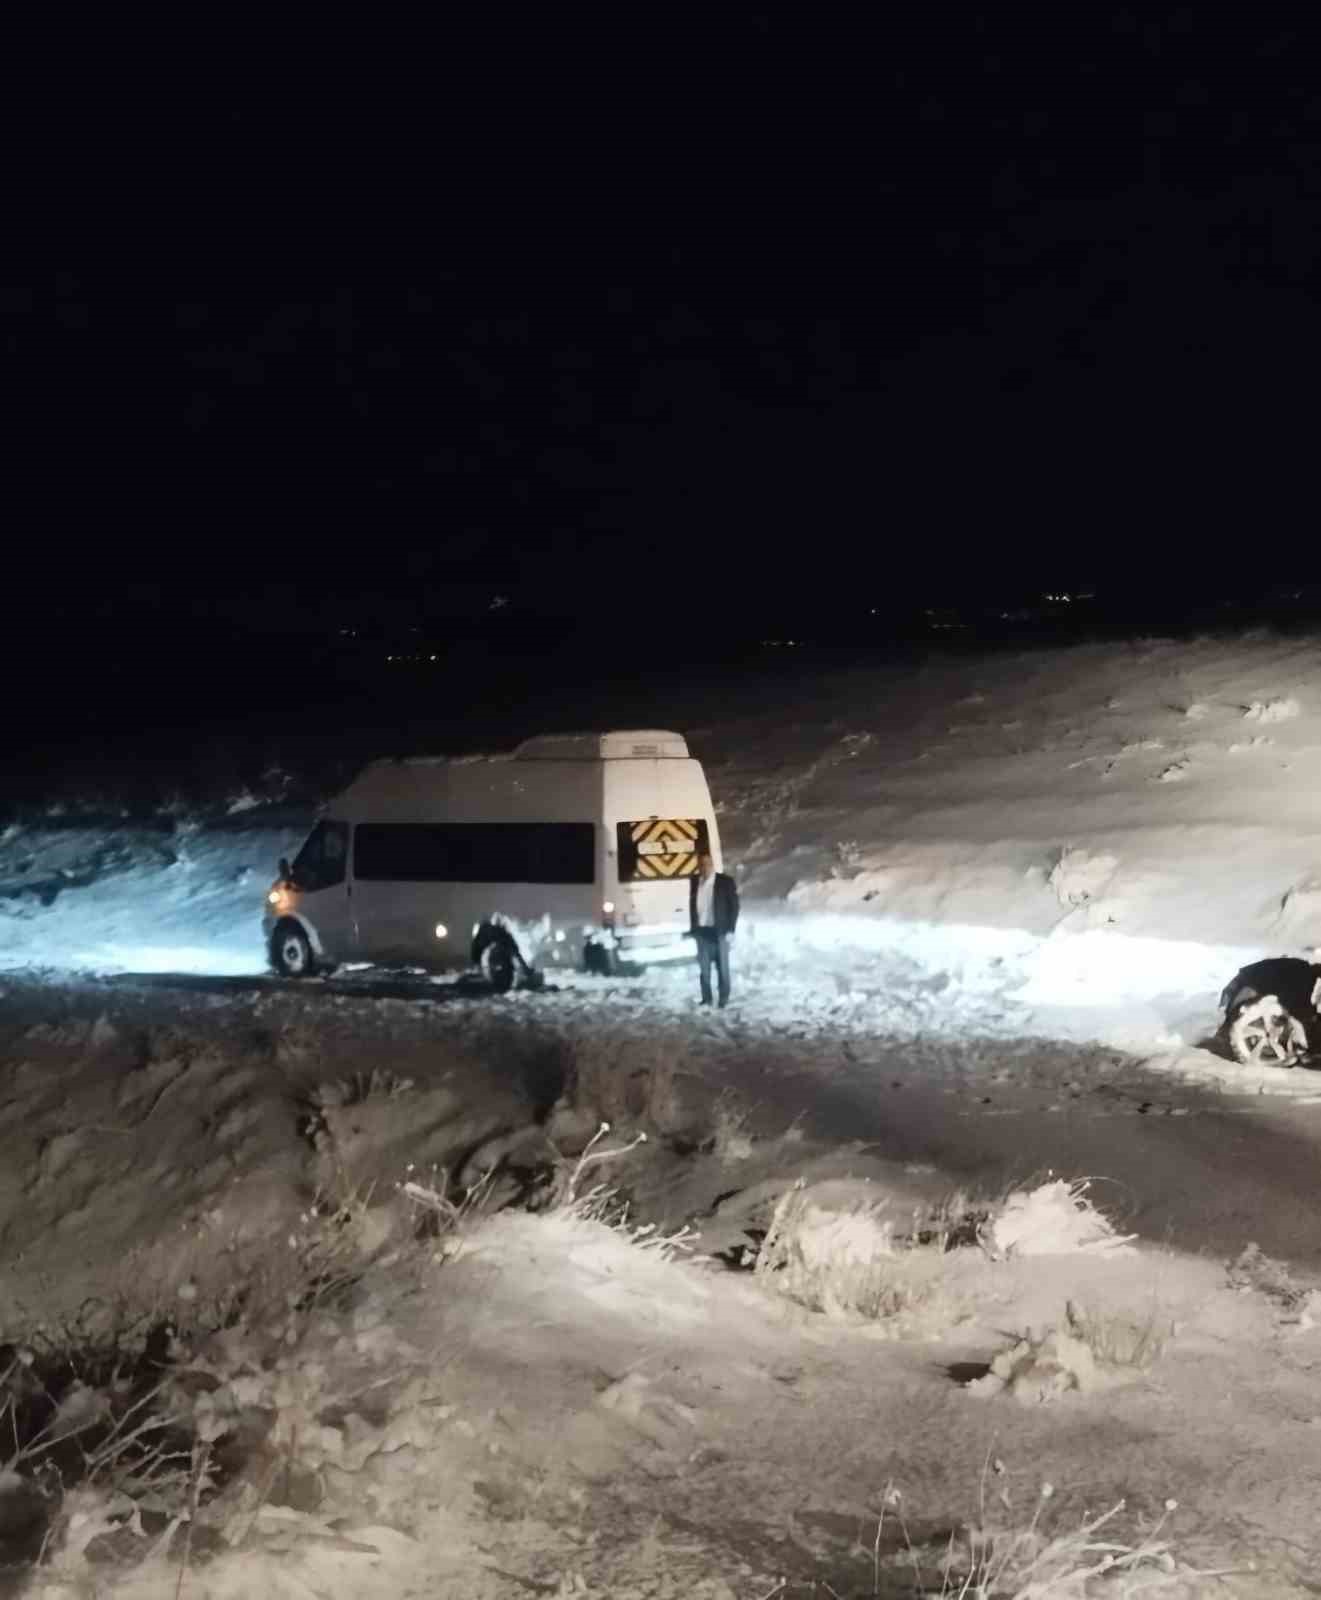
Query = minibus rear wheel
x=600 y=960
x=497 y=963
x=291 y=951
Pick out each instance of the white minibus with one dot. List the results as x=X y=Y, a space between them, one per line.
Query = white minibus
x=573 y=850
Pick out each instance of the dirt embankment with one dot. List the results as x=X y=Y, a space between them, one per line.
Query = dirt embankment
x=393 y=1392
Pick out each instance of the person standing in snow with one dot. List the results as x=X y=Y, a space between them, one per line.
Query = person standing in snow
x=712 y=916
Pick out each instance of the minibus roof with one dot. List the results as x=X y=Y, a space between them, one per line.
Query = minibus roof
x=646 y=744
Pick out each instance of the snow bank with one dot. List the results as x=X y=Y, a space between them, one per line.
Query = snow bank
x=136 y=900
x=1136 y=993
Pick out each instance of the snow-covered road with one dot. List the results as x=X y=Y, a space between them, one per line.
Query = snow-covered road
x=1079 y=845
x=189 y=902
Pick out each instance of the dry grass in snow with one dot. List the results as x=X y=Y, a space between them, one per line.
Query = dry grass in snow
x=836 y=1250
x=1120 y=1338
x=1001 y=1557
x=731 y=1138
x=990 y=1562
x=1037 y=1369
x=1252 y=1271
x=843 y=1262
x=130 y=1447
x=1055 y=1218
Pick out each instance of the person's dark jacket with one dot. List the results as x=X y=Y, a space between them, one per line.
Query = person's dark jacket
x=724 y=907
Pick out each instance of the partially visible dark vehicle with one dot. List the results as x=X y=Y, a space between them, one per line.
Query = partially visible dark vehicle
x=1270 y=1012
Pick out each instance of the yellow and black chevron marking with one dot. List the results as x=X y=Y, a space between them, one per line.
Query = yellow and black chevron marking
x=667 y=847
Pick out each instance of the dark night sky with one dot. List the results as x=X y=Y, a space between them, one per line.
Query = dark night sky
x=805 y=307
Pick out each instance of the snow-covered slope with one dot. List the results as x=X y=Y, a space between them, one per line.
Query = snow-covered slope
x=1122 y=823
x=1180 y=778
x=1102 y=833
x=126 y=899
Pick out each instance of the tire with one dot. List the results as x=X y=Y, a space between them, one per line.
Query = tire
x=1263 y=1032
x=498 y=965
x=291 y=952
x=600 y=960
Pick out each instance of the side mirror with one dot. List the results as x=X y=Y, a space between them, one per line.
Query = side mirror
x=285 y=872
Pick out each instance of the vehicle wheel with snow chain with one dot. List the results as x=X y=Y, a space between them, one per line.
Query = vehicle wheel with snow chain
x=600 y=960
x=291 y=951
x=498 y=965
x=1263 y=1032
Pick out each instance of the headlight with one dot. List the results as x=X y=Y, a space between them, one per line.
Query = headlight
x=273 y=898
x=442 y=932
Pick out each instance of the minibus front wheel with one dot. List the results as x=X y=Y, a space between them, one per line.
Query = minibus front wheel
x=291 y=951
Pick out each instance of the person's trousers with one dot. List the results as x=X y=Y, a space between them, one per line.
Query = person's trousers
x=713 y=949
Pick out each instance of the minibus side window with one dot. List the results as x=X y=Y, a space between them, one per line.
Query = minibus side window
x=475 y=852
x=322 y=862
